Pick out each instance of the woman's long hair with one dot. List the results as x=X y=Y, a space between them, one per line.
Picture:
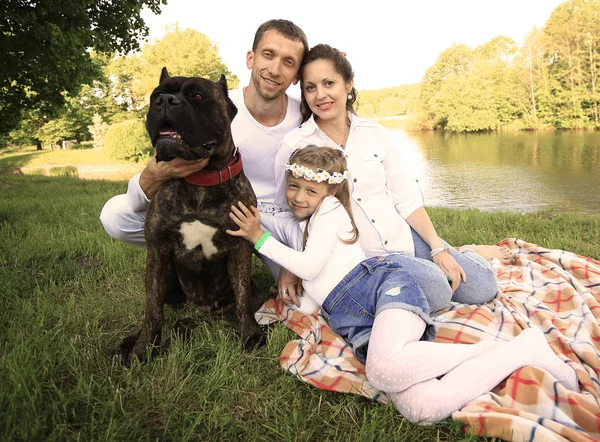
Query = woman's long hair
x=330 y=160
x=342 y=67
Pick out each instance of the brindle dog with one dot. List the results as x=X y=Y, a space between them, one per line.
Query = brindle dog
x=190 y=257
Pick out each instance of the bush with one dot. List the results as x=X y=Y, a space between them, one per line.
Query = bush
x=63 y=171
x=128 y=141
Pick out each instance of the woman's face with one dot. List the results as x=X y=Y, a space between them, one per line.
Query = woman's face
x=324 y=90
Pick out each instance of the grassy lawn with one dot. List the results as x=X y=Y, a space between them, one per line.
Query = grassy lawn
x=83 y=162
x=69 y=294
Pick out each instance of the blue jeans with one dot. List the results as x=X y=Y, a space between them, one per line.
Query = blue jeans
x=374 y=285
x=481 y=285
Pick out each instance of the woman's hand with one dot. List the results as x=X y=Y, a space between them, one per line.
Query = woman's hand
x=290 y=286
x=248 y=220
x=451 y=268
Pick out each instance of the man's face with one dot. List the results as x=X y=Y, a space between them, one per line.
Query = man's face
x=274 y=64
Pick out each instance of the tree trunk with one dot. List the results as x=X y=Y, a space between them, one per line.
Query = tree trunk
x=531 y=82
x=593 y=77
x=572 y=79
x=39 y=145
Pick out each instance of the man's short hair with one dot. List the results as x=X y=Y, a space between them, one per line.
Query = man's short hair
x=285 y=27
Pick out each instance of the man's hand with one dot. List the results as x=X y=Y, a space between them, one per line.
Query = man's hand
x=157 y=173
x=248 y=220
x=290 y=286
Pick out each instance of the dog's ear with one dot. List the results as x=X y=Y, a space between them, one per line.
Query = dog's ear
x=164 y=74
x=231 y=109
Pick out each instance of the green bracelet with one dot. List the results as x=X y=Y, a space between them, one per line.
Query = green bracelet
x=261 y=240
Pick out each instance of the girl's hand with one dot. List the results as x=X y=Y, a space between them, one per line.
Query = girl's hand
x=451 y=268
x=248 y=220
x=290 y=286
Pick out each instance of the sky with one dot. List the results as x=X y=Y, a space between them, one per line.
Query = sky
x=386 y=47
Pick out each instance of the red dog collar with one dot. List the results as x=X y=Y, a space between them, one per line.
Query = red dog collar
x=213 y=177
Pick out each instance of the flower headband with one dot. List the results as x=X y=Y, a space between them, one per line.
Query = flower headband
x=319 y=176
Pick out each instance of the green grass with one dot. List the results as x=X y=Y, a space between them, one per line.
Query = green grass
x=69 y=294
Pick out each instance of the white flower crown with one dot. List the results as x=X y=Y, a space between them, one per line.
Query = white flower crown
x=319 y=176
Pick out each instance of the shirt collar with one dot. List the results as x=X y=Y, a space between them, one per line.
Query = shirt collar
x=310 y=126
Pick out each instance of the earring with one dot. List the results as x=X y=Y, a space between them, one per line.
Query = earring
x=349 y=96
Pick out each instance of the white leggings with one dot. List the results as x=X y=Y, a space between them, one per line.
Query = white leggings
x=406 y=368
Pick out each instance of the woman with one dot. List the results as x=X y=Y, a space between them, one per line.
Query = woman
x=386 y=199
x=377 y=306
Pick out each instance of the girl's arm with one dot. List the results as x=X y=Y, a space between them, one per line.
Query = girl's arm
x=306 y=264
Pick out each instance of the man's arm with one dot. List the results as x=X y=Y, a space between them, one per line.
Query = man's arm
x=157 y=173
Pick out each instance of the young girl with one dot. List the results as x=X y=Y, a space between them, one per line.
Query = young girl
x=376 y=305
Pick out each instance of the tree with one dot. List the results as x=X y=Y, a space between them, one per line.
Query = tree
x=98 y=130
x=568 y=58
x=451 y=63
x=56 y=130
x=137 y=75
x=45 y=49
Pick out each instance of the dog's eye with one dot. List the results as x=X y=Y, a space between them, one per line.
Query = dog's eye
x=157 y=95
x=198 y=97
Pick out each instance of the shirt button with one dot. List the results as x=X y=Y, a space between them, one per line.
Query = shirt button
x=355 y=180
x=373 y=221
x=375 y=155
x=385 y=242
x=358 y=199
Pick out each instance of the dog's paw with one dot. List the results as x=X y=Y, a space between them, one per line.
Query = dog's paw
x=255 y=340
x=253 y=336
x=131 y=348
x=122 y=354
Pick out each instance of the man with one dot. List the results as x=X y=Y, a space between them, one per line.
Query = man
x=265 y=114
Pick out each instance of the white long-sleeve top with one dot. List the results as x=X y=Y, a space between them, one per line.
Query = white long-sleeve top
x=326 y=259
x=383 y=190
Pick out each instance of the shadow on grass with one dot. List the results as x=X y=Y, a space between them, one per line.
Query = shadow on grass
x=14 y=162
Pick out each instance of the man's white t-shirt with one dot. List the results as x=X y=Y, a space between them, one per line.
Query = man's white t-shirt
x=259 y=144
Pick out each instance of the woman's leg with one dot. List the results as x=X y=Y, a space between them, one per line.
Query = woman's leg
x=490 y=252
x=429 y=277
x=406 y=368
x=481 y=285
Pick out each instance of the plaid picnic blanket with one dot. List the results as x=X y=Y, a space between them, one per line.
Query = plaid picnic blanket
x=553 y=290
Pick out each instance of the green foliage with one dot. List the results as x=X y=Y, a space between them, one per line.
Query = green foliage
x=55 y=130
x=98 y=130
x=45 y=49
x=128 y=141
x=388 y=101
x=183 y=52
x=552 y=80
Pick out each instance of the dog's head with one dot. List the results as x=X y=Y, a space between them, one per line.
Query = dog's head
x=190 y=118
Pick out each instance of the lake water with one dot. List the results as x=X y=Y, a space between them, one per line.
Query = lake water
x=518 y=172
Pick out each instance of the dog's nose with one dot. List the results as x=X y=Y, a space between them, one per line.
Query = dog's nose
x=170 y=99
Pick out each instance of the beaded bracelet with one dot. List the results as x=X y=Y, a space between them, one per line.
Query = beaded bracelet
x=261 y=240
x=438 y=251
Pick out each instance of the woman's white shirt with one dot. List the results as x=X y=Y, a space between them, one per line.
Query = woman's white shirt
x=383 y=190
x=326 y=259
